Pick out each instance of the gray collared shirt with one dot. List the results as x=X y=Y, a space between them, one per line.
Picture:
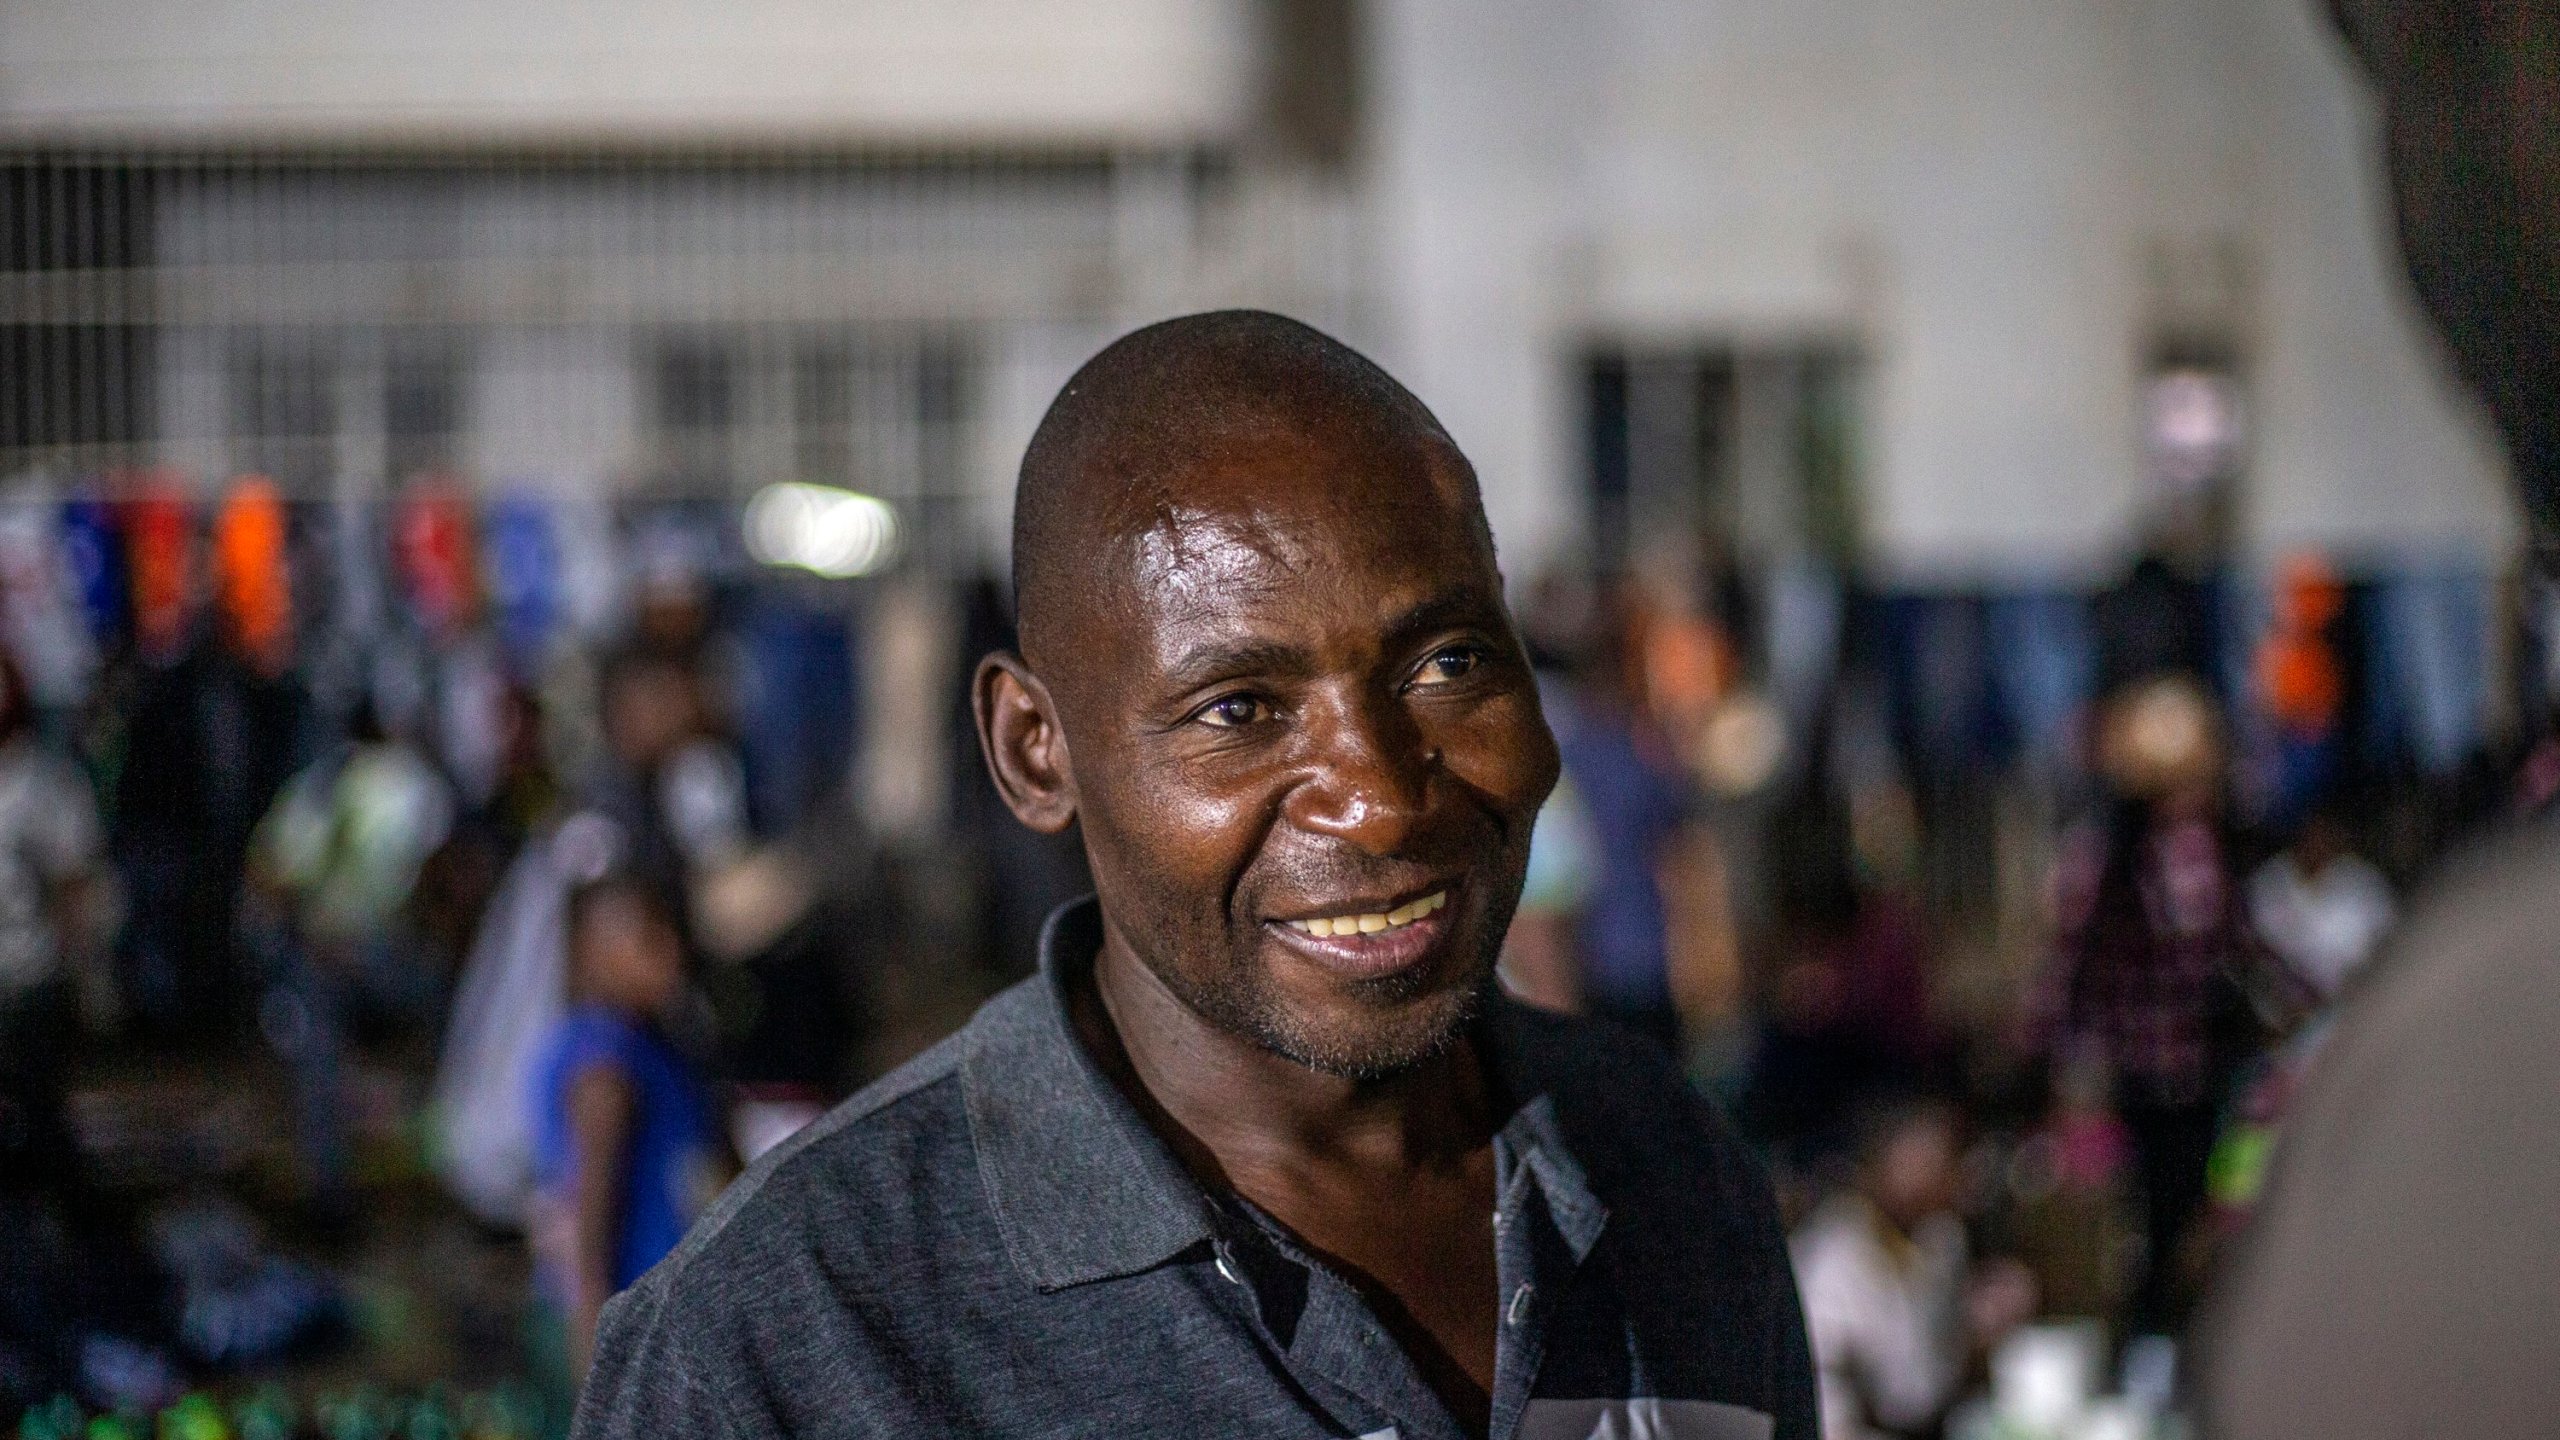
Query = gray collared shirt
x=991 y=1242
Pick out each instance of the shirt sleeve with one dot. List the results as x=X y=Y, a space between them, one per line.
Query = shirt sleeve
x=642 y=1386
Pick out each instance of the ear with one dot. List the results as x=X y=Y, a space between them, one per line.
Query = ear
x=1026 y=750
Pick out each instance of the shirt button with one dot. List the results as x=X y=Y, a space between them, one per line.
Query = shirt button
x=1519 y=1310
x=1227 y=1268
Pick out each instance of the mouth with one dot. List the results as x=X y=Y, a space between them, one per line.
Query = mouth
x=1368 y=943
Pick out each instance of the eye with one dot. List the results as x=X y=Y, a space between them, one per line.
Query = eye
x=1230 y=712
x=1450 y=662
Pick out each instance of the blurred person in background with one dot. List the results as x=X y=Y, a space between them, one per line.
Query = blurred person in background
x=82 y=1309
x=1849 y=1010
x=2141 y=982
x=1541 y=961
x=57 y=908
x=332 y=870
x=676 y=790
x=1541 y=956
x=1899 y=1313
x=512 y=984
x=1633 y=821
x=2398 y=1278
x=627 y=1142
x=207 y=743
x=2319 y=907
x=57 y=913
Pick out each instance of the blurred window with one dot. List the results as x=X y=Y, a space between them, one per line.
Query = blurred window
x=1747 y=453
x=284 y=411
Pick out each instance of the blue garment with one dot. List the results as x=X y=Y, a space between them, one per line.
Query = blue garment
x=2430 y=656
x=2043 y=666
x=93 y=551
x=522 y=559
x=1635 y=802
x=669 y=1175
x=797 y=703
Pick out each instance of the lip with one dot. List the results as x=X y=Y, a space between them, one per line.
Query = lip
x=1383 y=952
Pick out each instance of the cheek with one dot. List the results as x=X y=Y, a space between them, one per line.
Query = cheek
x=1505 y=754
x=1184 y=835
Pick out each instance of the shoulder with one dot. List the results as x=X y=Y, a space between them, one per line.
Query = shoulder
x=858 y=1162
x=860 y=1191
x=2391 y=1257
x=1637 y=1125
x=812 y=1248
x=2464 y=992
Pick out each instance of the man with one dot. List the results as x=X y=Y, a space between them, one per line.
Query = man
x=1260 y=1151
x=2399 y=1277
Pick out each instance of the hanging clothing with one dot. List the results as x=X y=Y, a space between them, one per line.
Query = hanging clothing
x=252 y=586
x=2043 y=669
x=44 y=628
x=160 y=553
x=2431 y=666
x=93 y=559
x=522 y=557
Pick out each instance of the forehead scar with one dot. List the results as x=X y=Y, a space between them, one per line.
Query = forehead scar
x=1199 y=555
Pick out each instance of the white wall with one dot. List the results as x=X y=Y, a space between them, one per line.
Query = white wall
x=1003 y=71
x=1968 y=188
x=2366 y=443
x=1482 y=110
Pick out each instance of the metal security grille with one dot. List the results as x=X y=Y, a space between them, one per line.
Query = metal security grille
x=653 y=325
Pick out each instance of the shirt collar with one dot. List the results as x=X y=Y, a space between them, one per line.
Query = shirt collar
x=1527 y=1060
x=1081 y=1188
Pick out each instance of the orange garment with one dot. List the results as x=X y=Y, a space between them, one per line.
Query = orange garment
x=2296 y=669
x=252 y=583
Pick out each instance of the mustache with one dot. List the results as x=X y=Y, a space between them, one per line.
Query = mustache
x=1330 y=872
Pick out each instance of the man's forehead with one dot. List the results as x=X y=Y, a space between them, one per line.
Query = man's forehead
x=1262 y=558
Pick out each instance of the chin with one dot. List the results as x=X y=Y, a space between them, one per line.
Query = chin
x=1375 y=1041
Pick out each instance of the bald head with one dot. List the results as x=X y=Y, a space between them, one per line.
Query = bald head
x=1267 y=673
x=1166 y=410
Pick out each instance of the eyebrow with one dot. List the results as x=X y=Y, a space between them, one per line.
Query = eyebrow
x=1438 y=612
x=1215 y=660
x=1219 y=660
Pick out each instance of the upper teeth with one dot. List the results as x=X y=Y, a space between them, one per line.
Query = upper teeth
x=1374 y=921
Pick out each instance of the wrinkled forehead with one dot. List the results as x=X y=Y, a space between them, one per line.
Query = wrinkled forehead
x=1296 y=536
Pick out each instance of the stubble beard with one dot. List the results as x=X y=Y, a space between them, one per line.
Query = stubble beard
x=1415 y=1028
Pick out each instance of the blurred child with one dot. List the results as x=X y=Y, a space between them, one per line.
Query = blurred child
x=2321 y=907
x=627 y=1147
x=1895 y=1308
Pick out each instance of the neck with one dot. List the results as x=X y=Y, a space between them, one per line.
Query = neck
x=1238 y=1113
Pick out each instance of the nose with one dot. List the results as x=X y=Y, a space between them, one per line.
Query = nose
x=1370 y=775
